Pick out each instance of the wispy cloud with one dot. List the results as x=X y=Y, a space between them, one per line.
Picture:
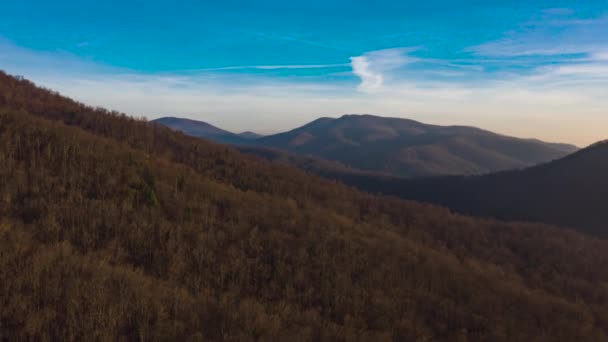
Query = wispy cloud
x=600 y=55
x=558 y=11
x=582 y=70
x=276 y=67
x=372 y=67
x=557 y=51
x=559 y=32
x=23 y=60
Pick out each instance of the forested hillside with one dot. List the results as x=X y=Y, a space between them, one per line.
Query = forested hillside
x=115 y=228
x=569 y=192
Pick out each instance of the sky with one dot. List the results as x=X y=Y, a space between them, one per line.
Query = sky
x=523 y=68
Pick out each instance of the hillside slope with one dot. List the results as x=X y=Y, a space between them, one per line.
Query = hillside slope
x=115 y=228
x=413 y=149
x=570 y=192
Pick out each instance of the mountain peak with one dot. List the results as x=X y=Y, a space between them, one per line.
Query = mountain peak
x=406 y=147
x=249 y=135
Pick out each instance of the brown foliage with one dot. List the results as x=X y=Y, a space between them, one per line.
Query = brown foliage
x=112 y=228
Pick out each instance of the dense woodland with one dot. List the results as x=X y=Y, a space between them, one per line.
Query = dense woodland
x=113 y=228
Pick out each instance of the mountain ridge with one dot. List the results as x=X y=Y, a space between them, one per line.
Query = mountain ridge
x=250 y=135
x=410 y=148
x=404 y=147
x=202 y=129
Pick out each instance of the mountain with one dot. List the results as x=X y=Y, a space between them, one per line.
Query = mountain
x=204 y=130
x=249 y=135
x=412 y=149
x=247 y=142
x=115 y=228
x=569 y=192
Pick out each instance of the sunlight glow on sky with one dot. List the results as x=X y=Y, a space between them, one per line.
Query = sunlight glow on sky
x=523 y=68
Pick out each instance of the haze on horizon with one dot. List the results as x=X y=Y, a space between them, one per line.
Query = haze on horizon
x=525 y=69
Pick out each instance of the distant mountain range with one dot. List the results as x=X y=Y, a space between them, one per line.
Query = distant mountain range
x=204 y=130
x=395 y=146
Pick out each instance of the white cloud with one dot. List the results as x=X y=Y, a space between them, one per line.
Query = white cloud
x=372 y=67
x=370 y=80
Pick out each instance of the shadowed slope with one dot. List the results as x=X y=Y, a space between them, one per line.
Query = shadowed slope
x=569 y=192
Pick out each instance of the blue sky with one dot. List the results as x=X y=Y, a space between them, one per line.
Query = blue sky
x=524 y=68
